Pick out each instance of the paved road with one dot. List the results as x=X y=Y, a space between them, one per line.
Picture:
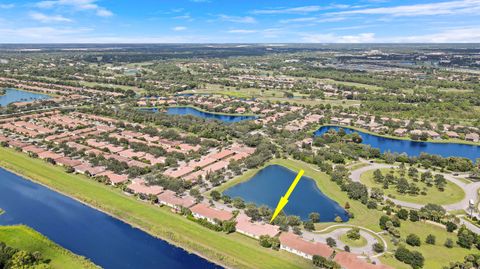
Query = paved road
x=365 y=251
x=470 y=189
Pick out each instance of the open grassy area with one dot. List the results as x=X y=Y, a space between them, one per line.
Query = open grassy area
x=241 y=93
x=351 y=84
x=224 y=249
x=313 y=102
x=353 y=243
x=25 y=238
x=450 y=195
x=436 y=256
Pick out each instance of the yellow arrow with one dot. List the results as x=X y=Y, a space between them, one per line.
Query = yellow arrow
x=284 y=199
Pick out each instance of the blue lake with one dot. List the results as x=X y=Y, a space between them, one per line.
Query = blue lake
x=108 y=242
x=270 y=183
x=411 y=148
x=206 y=115
x=14 y=95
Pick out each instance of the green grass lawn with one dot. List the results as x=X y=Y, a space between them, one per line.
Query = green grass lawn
x=242 y=93
x=450 y=195
x=25 y=238
x=225 y=249
x=436 y=256
x=352 y=84
x=313 y=102
x=353 y=243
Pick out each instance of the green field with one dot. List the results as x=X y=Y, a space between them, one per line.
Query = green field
x=452 y=193
x=351 y=84
x=313 y=102
x=24 y=238
x=436 y=256
x=230 y=250
x=242 y=93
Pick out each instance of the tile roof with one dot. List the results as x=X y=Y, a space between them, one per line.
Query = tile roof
x=294 y=241
x=211 y=213
x=256 y=229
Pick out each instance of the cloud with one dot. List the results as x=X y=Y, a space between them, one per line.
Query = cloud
x=81 y=5
x=242 y=31
x=237 y=19
x=293 y=10
x=456 y=35
x=313 y=20
x=300 y=10
x=469 y=34
x=39 y=34
x=334 y=38
x=6 y=6
x=440 y=8
x=46 y=18
x=184 y=17
x=179 y=28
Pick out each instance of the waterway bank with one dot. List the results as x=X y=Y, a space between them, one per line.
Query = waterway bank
x=436 y=141
x=17 y=95
x=228 y=250
x=24 y=238
x=410 y=147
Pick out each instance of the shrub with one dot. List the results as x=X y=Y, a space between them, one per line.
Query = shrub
x=430 y=239
x=331 y=242
x=451 y=226
x=413 y=240
x=414 y=258
x=448 y=243
x=378 y=247
x=354 y=234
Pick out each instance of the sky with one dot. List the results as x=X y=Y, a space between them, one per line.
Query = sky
x=239 y=21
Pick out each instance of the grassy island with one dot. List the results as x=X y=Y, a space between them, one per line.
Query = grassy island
x=24 y=238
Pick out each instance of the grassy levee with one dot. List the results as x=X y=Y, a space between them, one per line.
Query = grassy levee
x=25 y=238
x=228 y=250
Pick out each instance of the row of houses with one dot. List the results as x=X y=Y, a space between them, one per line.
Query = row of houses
x=300 y=124
x=51 y=88
x=267 y=112
x=288 y=241
x=407 y=128
x=212 y=162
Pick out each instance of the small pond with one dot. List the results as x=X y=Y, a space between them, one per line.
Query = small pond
x=270 y=183
x=203 y=114
x=14 y=95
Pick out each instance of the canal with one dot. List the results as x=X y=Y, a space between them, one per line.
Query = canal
x=107 y=241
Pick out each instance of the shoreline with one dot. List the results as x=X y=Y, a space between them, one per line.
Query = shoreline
x=111 y=215
x=23 y=90
x=202 y=110
x=440 y=141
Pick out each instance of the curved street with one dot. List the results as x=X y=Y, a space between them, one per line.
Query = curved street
x=470 y=190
